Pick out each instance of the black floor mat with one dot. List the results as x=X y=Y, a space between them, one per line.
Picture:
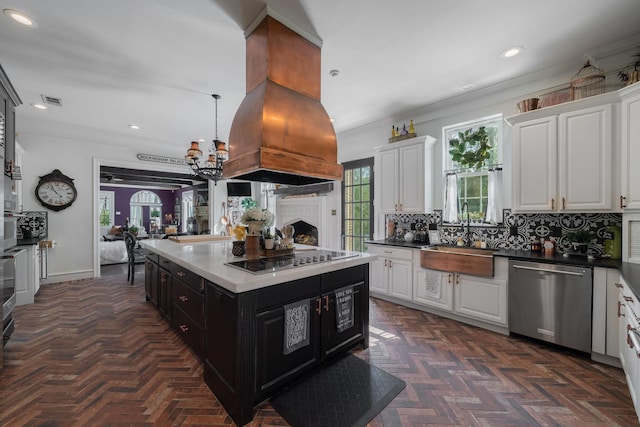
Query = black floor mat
x=349 y=392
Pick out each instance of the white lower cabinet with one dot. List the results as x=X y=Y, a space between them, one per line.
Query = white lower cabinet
x=433 y=288
x=480 y=298
x=397 y=274
x=392 y=273
x=629 y=343
x=27 y=289
x=604 y=333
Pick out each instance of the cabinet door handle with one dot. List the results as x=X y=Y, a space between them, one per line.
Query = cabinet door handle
x=326 y=303
x=390 y=264
x=319 y=306
x=181 y=274
x=622 y=203
x=385 y=263
x=563 y=204
x=620 y=314
x=183 y=298
x=395 y=207
x=449 y=278
x=184 y=328
x=553 y=204
x=635 y=342
x=401 y=206
x=457 y=279
x=618 y=285
x=628 y=299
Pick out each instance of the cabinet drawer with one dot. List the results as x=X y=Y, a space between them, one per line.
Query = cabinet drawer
x=164 y=263
x=348 y=276
x=391 y=252
x=189 y=301
x=153 y=257
x=188 y=277
x=189 y=331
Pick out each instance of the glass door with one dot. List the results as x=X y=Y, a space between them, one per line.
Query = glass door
x=357 y=204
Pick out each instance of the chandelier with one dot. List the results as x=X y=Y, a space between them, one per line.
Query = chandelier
x=211 y=168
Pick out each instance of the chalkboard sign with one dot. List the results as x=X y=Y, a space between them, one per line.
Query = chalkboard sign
x=296 y=326
x=344 y=308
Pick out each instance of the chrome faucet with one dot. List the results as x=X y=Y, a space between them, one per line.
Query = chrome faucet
x=467 y=234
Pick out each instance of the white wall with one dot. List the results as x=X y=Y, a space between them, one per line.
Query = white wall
x=429 y=120
x=75 y=229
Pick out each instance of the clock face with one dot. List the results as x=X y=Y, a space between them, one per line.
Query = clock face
x=56 y=194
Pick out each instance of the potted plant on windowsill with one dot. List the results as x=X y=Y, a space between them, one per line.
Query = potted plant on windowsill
x=580 y=240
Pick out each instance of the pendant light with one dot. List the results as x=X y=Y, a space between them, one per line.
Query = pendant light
x=211 y=168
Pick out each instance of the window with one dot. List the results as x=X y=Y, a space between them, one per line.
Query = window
x=476 y=187
x=136 y=203
x=357 y=204
x=106 y=217
x=187 y=208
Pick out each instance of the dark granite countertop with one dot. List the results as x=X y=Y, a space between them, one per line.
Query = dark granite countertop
x=399 y=243
x=629 y=271
x=32 y=241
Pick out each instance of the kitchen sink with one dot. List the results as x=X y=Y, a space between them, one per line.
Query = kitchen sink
x=458 y=259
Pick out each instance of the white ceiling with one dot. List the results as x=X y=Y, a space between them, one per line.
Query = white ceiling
x=155 y=63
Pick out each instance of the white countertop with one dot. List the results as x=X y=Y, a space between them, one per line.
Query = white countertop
x=207 y=259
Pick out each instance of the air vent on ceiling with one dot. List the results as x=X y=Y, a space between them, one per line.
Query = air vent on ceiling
x=52 y=100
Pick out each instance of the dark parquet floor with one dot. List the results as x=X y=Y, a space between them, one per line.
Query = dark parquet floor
x=93 y=353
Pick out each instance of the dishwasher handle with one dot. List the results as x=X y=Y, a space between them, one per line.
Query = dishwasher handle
x=548 y=270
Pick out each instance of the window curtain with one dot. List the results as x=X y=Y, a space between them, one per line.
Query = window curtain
x=450 y=213
x=494 y=196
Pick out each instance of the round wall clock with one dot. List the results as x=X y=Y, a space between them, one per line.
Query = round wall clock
x=56 y=191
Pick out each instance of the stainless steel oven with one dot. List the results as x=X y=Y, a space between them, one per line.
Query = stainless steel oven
x=10 y=223
x=10 y=238
x=8 y=278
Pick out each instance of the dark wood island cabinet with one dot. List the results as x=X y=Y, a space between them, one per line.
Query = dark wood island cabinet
x=241 y=335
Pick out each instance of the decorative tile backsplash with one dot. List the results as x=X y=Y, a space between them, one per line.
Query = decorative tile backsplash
x=519 y=229
x=32 y=225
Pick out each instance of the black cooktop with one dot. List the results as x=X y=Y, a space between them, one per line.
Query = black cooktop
x=285 y=262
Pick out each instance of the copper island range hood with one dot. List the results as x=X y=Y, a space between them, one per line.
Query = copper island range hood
x=281 y=133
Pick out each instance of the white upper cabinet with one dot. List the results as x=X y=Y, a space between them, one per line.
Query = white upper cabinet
x=404 y=177
x=630 y=135
x=534 y=165
x=585 y=159
x=564 y=161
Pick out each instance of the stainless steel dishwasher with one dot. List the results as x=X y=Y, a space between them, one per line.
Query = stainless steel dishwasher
x=551 y=302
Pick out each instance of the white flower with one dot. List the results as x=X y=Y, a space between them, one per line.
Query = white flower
x=257 y=214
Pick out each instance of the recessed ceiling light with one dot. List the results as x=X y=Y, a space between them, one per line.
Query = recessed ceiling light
x=201 y=140
x=20 y=17
x=136 y=127
x=39 y=106
x=511 y=52
x=467 y=86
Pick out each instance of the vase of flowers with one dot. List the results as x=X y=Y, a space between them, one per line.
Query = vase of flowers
x=256 y=219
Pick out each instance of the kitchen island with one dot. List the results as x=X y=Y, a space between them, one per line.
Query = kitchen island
x=257 y=332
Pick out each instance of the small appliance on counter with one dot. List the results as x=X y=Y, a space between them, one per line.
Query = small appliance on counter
x=613 y=242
